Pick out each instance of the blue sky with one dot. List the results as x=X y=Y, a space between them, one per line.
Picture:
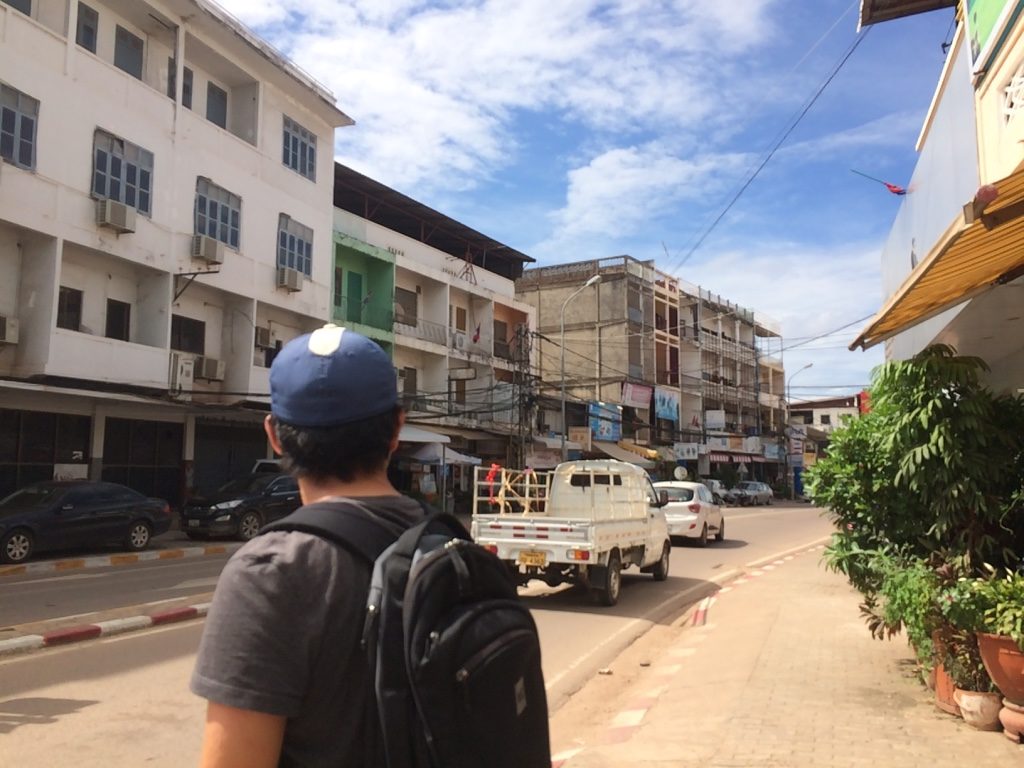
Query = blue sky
x=581 y=129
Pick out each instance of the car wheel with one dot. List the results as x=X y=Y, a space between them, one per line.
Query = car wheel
x=607 y=593
x=249 y=526
x=139 y=536
x=660 y=571
x=16 y=546
x=702 y=540
x=771 y=500
x=720 y=535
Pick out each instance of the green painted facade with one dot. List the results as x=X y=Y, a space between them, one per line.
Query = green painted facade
x=363 y=289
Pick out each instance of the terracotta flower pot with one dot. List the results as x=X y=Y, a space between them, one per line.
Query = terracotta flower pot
x=945 y=690
x=1004 y=662
x=979 y=710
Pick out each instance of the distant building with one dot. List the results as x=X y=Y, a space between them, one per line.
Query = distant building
x=825 y=415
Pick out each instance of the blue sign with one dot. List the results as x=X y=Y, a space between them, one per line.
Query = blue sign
x=666 y=404
x=606 y=421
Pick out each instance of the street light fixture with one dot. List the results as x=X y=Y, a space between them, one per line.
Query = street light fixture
x=789 y=475
x=565 y=428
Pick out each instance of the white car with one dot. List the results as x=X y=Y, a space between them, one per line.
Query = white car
x=691 y=512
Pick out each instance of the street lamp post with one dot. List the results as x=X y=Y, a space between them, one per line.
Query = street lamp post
x=790 y=479
x=565 y=428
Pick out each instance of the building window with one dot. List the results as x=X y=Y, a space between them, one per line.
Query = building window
x=339 y=297
x=19 y=114
x=459 y=318
x=122 y=171
x=188 y=335
x=295 y=245
x=299 y=149
x=460 y=391
x=25 y=6
x=406 y=306
x=186 y=84
x=216 y=105
x=826 y=418
x=128 y=52
x=88 y=27
x=218 y=213
x=119 y=315
x=69 y=308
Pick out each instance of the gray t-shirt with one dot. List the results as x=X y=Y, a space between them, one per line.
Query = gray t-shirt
x=282 y=637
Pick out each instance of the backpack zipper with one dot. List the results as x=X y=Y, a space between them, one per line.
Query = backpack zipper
x=474 y=662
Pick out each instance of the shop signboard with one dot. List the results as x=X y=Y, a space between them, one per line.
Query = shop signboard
x=606 y=421
x=666 y=404
x=581 y=435
x=714 y=419
x=636 y=396
x=986 y=21
x=686 y=451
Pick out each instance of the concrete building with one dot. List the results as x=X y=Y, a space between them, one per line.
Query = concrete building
x=657 y=370
x=953 y=265
x=165 y=224
x=827 y=414
x=461 y=338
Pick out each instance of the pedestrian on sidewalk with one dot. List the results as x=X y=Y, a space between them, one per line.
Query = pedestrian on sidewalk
x=279 y=662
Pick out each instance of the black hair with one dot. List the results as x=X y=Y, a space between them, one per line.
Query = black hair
x=345 y=452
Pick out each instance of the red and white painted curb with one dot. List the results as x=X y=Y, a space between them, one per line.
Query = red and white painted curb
x=80 y=632
x=104 y=561
x=624 y=724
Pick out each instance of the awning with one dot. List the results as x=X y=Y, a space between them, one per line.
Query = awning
x=640 y=450
x=433 y=453
x=759 y=459
x=555 y=443
x=971 y=257
x=740 y=458
x=721 y=457
x=611 y=449
x=411 y=434
x=667 y=453
x=875 y=11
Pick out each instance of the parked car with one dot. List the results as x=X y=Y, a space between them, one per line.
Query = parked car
x=77 y=513
x=757 y=492
x=736 y=497
x=692 y=512
x=240 y=508
x=267 y=465
x=717 y=489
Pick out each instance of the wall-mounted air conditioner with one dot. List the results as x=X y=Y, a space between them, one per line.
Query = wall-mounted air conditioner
x=210 y=368
x=208 y=249
x=289 y=278
x=182 y=375
x=116 y=216
x=8 y=330
x=458 y=340
x=263 y=337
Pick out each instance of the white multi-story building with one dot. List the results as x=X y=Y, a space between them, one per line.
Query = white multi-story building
x=462 y=341
x=165 y=225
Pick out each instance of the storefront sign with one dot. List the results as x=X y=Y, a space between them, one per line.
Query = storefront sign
x=773 y=451
x=752 y=444
x=714 y=419
x=686 y=451
x=735 y=443
x=636 y=396
x=666 y=404
x=718 y=443
x=606 y=421
x=986 y=20
x=582 y=436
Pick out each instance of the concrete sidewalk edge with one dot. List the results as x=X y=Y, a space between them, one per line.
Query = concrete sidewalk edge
x=120 y=558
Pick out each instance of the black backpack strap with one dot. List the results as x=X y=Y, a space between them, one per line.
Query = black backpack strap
x=343 y=523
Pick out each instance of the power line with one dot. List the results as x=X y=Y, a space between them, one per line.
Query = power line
x=775 y=148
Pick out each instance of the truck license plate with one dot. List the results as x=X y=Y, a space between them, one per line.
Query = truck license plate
x=193 y=523
x=538 y=559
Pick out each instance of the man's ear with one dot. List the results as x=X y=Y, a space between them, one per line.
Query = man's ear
x=399 y=422
x=268 y=427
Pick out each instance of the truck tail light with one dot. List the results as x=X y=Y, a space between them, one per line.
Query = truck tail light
x=492 y=548
x=578 y=554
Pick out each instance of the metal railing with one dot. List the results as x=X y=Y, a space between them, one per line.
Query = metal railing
x=363 y=311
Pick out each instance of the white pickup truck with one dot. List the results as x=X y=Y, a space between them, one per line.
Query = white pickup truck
x=583 y=523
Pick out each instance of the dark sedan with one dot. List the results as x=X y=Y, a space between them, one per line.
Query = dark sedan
x=77 y=513
x=241 y=507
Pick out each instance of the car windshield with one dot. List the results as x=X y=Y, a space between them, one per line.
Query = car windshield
x=32 y=496
x=748 y=486
x=252 y=484
x=678 y=494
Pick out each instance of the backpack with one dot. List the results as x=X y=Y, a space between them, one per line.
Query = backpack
x=454 y=654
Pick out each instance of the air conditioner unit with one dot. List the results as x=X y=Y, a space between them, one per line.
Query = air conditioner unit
x=289 y=278
x=263 y=337
x=458 y=340
x=209 y=368
x=208 y=249
x=8 y=330
x=182 y=375
x=116 y=216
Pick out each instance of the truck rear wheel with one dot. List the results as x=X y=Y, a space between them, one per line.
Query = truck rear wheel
x=607 y=591
x=660 y=570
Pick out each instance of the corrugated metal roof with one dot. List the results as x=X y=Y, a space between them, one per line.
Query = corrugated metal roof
x=874 y=11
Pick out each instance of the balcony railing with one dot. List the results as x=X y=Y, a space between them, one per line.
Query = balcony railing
x=422 y=329
x=364 y=312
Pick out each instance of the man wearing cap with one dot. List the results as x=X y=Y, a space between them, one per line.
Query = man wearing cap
x=279 y=661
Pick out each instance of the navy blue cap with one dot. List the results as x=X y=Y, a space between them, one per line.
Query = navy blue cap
x=330 y=377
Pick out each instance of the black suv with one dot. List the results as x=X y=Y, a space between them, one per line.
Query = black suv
x=241 y=507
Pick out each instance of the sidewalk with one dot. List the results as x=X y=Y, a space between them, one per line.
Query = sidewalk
x=777 y=670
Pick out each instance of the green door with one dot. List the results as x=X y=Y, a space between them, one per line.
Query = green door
x=354 y=311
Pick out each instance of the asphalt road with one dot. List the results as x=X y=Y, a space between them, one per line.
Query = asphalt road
x=124 y=700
